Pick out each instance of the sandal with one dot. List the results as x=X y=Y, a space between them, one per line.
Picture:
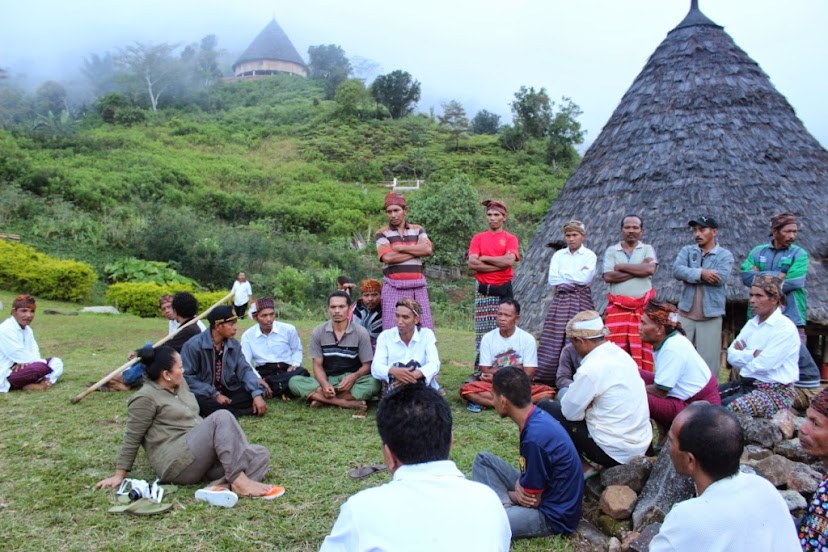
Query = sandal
x=217 y=496
x=141 y=507
x=474 y=408
x=364 y=471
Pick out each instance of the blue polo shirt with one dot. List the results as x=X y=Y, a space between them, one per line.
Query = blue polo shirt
x=549 y=464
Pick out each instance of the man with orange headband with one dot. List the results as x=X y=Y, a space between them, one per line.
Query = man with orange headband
x=401 y=247
x=367 y=311
x=492 y=254
x=21 y=366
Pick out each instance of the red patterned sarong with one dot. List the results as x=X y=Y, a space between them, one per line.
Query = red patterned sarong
x=539 y=391
x=623 y=317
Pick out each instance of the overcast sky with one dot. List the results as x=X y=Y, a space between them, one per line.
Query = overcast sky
x=478 y=52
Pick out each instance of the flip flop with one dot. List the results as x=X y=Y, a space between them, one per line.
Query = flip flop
x=275 y=492
x=141 y=507
x=589 y=474
x=217 y=496
x=364 y=471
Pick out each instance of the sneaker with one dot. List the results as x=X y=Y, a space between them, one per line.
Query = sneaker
x=217 y=496
x=474 y=408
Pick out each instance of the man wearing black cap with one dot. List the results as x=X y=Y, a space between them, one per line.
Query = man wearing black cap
x=217 y=372
x=704 y=268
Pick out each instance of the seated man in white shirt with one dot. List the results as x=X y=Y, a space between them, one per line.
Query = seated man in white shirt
x=406 y=353
x=428 y=505
x=21 y=366
x=765 y=353
x=507 y=345
x=605 y=410
x=734 y=511
x=273 y=349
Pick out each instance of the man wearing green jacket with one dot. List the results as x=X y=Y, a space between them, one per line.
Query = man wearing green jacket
x=783 y=259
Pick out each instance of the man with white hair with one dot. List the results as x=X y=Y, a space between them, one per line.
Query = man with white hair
x=605 y=410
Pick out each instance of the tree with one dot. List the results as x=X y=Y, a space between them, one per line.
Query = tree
x=532 y=111
x=50 y=97
x=398 y=91
x=154 y=65
x=328 y=62
x=352 y=99
x=101 y=73
x=450 y=213
x=564 y=133
x=455 y=120
x=485 y=122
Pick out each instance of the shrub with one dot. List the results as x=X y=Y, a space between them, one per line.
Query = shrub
x=139 y=270
x=141 y=298
x=27 y=270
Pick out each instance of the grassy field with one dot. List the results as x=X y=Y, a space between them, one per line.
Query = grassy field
x=53 y=452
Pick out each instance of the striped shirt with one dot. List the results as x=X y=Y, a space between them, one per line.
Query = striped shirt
x=341 y=356
x=388 y=237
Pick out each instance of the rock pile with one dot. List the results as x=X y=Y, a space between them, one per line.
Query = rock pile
x=623 y=510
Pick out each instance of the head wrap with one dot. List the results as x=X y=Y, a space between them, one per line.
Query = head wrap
x=779 y=220
x=370 y=286
x=663 y=314
x=265 y=303
x=574 y=226
x=410 y=303
x=586 y=325
x=23 y=302
x=769 y=284
x=220 y=315
x=820 y=402
x=496 y=205
x=394 y=198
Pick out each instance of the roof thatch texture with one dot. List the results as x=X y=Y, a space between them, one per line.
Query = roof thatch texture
x=273 y=44
x=700 y=131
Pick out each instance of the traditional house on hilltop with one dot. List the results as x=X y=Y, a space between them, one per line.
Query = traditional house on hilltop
x=270 y=53
x=700 y=131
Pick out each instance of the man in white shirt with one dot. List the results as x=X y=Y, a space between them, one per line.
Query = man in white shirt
x=21 y=366
x=605 y=410
x=428 y=505
x=241 y=294
x=273 y=349
x=406 y=353
x=570 y=272
x=765 y=353
x=507 y=345
x=734 y=511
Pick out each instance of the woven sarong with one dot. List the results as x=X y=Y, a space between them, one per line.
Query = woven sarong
x=539 y=391
x=569 y=300
x=665 y=409
x=33 y=372
x=622 y=319
x=766 y=400
x=485 y=316
x=394 y=290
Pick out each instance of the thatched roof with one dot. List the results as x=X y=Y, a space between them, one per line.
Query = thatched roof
x=700 y=131
x=271 y=44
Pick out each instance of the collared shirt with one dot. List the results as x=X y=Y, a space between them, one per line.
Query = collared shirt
x=688 y=267
x=741 y=513
x=519 y=349
x=242 y=292
x=341 y=356
x=426 y=507
x=777 y=339
x=567 y=267
x=634 y=287
x=392 y=349
x=793 y=262
x=679 y=370
x=174 y=325
x=17 y=345
x=280 y=345
x=609 y=394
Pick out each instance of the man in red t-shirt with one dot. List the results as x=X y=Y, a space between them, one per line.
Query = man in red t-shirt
x=491 y=256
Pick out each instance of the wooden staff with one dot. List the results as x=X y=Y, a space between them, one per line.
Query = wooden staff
x=120 y=370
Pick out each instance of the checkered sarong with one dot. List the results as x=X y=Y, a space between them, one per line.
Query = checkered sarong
x=569 y=300
x=394 y=290
x=766 y=400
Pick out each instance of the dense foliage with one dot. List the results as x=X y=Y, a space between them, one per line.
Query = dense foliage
x=26 y=270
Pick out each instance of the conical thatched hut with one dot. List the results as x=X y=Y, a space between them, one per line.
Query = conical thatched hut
x=700 y=131
x=270 y=53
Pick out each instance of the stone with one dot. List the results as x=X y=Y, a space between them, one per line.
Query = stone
x=614 y=545
x=101 y=310
x=792 y=450
x=819 y=467
x=633 y=474
x=794 y=500
x=591 y=534
x=613 y=527
x=618 y=501
x=775 y=469
x=747 y=468
x=798 y=421
x=755 y=452
x=760 y=431
x=803 y=479
x=642 y=542
x=784 y=419
x=594 y=488
x=664 y=488
x=628 y=538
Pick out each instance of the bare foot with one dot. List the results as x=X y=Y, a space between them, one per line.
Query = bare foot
x=39 y=386
x=244 y=486
x=315 y=404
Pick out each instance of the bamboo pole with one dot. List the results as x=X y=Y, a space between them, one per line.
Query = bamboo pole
x=121 y=369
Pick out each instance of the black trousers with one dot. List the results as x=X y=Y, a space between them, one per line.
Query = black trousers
x=277 y=376
x=242 y=404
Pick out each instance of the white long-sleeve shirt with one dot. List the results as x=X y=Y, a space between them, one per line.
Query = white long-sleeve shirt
x=567 y=267
x=777 y=339
x=18 y=346
x=391 y=349
x=282 y=344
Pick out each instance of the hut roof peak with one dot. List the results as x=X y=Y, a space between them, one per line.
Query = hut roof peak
x=695 y=18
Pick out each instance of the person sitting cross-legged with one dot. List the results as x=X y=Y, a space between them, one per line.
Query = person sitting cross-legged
x=544 y=497
x=21 y=366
